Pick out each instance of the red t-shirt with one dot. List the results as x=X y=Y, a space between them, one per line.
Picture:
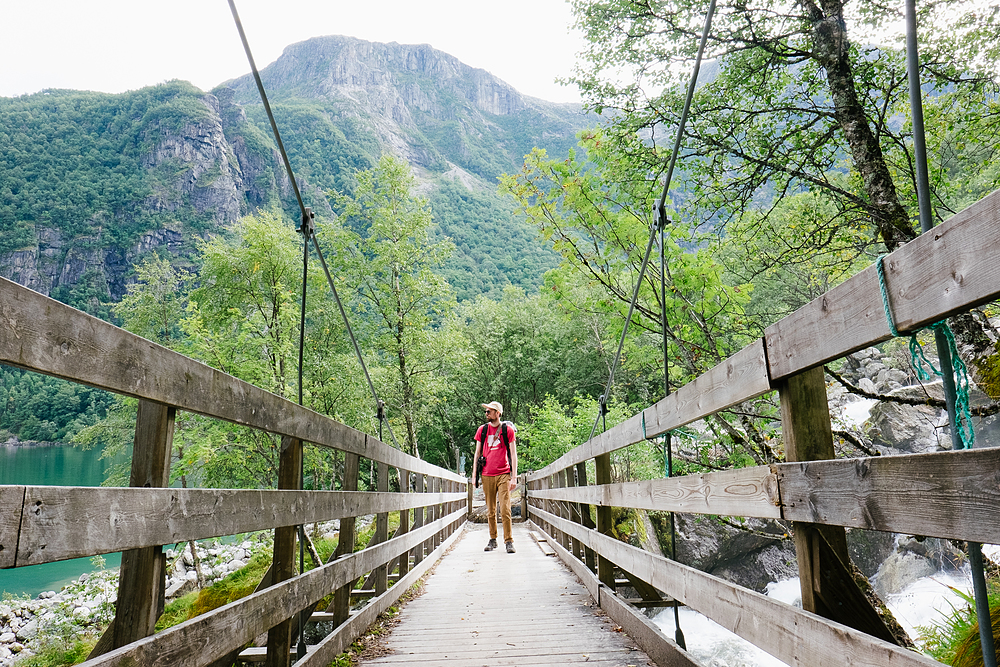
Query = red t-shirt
x=493 y=449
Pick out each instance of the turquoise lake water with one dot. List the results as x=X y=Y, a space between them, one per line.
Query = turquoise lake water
x=50 y=465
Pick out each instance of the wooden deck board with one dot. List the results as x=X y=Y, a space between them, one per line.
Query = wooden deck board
x=496 y=608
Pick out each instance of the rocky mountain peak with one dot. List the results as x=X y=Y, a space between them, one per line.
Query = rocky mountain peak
x=390 y=78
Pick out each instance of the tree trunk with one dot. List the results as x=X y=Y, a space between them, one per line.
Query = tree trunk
x=831 y=50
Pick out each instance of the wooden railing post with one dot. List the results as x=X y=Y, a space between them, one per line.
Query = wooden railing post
x=381 y=578
x=574 y=513
x=605 y=568
x=435 y=540
x=279 y=638
x=468 y=499
x=827 y=583
x=418 y=518
x=142 y=578
x=524 y=497
x=404 y=522
x=585 y=518
x=543 y=484
x=564 y=538
x=346 y=540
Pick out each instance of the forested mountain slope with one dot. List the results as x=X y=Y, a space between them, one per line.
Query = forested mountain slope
x=91 y=182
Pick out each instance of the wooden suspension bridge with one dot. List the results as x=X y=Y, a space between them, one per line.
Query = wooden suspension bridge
x=953 y=495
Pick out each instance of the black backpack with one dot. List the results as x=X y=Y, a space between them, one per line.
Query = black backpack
x=504 y=438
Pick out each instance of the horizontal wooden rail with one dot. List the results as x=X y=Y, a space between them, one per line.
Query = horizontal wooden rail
x=792 y=635
x=201 y=640
x=947 y=270
x=660 y=648
x=58 y=522
x=40 y=334
x=932 y=277
x=741 y=377
x=952 y=495
x=743 y=492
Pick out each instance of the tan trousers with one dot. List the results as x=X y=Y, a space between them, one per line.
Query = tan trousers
x=492 y=488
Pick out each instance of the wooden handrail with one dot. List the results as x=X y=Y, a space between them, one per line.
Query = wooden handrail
x=212 y=635
x=780 y=629
x=931 y=277
x=951 y=495
x=43 y=335
x=59 y=522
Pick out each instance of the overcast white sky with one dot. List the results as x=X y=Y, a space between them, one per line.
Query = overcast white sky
x=117 y=45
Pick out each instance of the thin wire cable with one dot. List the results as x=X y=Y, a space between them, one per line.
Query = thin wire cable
x=307 y=215
x=659 y=213
x=947 y=355
x=267 y=108
x=350 y=332
x=305 y=227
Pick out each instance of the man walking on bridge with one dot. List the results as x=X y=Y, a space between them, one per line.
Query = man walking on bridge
x=496 y=441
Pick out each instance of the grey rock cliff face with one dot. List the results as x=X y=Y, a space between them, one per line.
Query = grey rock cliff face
x=195 y=167
x=383 y=78
x=423 y=104
x=204 y=169
x=201 y=169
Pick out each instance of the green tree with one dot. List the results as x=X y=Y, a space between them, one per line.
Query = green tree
x=243 y=319
x=802 y=96
x=154 y=305
x=392 y=267
x=791 y=102
x=599 y=219
x=244 y=315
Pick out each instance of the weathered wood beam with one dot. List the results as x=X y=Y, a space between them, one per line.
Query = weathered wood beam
x=346 y=541
x=953 y=495
x=201 y=640
x=938 y=274
x=661 y=649
x=142 y=578
x=739 y=378
x=40 y=334
x=825 y=579
x=279 y=637
x=605 y=568
x=340 y=639
x=784 y=631
x=56 y=522
x=742 y=492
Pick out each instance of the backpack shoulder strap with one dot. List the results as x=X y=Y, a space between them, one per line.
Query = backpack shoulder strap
x=505 y=439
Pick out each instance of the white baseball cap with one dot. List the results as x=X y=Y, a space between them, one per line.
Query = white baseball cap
x=494 y=405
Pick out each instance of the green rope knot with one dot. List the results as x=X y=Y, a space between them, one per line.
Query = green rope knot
x=926 y=370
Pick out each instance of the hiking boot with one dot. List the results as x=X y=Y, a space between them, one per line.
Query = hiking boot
x=510 y=547
x=491 y=545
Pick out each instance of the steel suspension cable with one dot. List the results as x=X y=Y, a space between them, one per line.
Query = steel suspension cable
x=980 y=594
x=307 y=229
x=659 y=214
x=660 y=219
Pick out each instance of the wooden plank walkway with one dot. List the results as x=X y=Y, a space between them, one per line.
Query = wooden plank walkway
x=495 y=608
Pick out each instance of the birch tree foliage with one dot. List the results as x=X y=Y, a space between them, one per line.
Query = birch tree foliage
x=391 y=265
x=794 y=96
